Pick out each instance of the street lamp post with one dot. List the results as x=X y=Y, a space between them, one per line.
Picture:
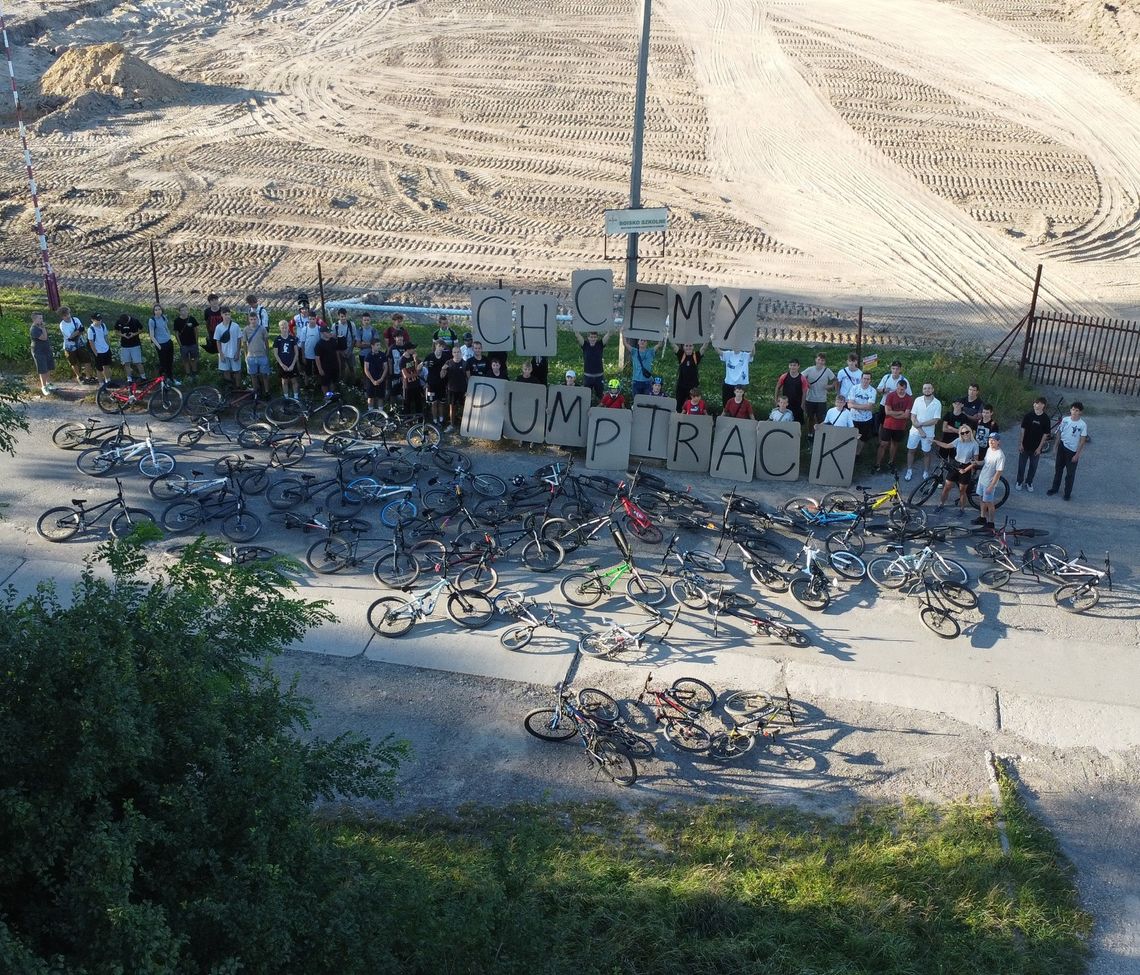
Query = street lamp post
x=638 y=146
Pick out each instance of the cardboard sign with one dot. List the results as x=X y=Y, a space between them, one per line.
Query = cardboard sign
x=491 y=320
x=651 y=419
x=690 y=443
x=566 y=413
x=607 y=439
x=536 y=325
x=484 y=409
x=777 y=451
x=833 y=456
x=691 y=314
x=525 y=416
x=733 y=449
x=592 y=300
x=646 y=308
x=735 y=324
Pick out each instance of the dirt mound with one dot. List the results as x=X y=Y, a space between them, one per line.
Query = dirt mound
x=108 y=70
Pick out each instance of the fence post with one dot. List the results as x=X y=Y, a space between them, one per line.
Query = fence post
x=859 y=336
x=321 y=291
x=154 y=272
x=1029 y=322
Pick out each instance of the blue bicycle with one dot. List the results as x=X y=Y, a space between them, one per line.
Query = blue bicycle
x=399 y=509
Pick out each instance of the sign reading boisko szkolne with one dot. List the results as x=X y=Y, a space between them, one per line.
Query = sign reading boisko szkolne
x=644 y=220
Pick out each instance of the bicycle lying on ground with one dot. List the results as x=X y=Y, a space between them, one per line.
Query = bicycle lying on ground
x=393 y=616
x=677 y=708
x=61 y=523
x=519 y=608
x=813 y=585
x=73 y=434
x=752 y=714
x=101 y=461
x=616 y=639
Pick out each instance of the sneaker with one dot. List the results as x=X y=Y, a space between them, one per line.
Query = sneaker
x=1029 y=488
x=1017 y=486
x=909 y=474
x=447 y=429
x=926 y=475
x=877 y=470
x=979 y=521
x=940 y=507
x=1066 y=497
x=176 y=382
x=44 y=391
x=1051 y=492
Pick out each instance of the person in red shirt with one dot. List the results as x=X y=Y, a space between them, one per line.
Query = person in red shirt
x=738 y=407
x=613 y=398
x=896 y=420
x=794 y=385
x=397 y=328
x=694 y=405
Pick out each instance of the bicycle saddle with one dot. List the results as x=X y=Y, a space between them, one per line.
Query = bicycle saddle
x=308 y=477
x=78 y=502
x=196 y=473
x=894 y=548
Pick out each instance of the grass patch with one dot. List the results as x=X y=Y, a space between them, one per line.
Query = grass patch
x=717 y=888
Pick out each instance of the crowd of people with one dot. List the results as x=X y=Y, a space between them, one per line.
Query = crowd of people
x=386 y=364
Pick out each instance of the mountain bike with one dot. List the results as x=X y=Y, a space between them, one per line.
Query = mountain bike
x=393 y=616
x=948 y=470
x=941 y=599
x=743 y=606
x=318 y=521
x=899 y=569
x=586 y=588
x=286 y=448
x=297 y=489
x=229 y=555
x=1081 y=590
x=831 y=508
x=752 y=714
x=207 y=425
x=616 y=639
x=102 y=461
x=63 y=522
x=335 y=415
x=608 y=743
x=159 y=395
x=227 y=505
x=677 y=708
x=397 y=507
x=244 y=403
x=73 y=434
x=1006 y=561
x=519 y=608
x=812 y=586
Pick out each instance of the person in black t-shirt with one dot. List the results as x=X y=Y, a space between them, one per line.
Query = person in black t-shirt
x=436 y=383
x=478 y=364
x=540 y=369
x=130 y=346
x=987 y=424
x=328 y=361
x=454 y=374
x=287 y=356
x=186 y=328
x=375 y=366
x=972 y=406
x=951 y=423
x=1034 y=432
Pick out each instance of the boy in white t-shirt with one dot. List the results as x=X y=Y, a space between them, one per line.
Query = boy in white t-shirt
x=839 y=415
x=849 y=375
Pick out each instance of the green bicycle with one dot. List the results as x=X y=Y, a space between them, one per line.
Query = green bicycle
x=586 y=588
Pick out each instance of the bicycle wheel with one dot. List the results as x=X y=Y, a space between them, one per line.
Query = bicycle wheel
x=489 y=485
x=241 y=526
x=801 y=509
x=286 y=493
x=940 y=622
x=963 y=597
x=169 y=487
x=373 y=424
x=705 y=561
x=423 y=435
x=127 y=520
x=482 y=578
x=251 y=413
x=516 y=637
x=181 y=517
x=839 y=501
x=689 y=594
x=550 y=724
x=284 y=411
x=647 y=589
x=616 y=764
x=156 y=464
x=441 y=501
x=582 y=588
x=947 y=570
x=165 y=402
x=398 y=512
x=647 y=532
x=510 y=602
x=888 y=572
x=687 y=735
x=190 y=438
x=1001 y=494
x=847 y=564
x=255 y=435
x=1036 y=559
x=254 y=480
x=107 y=401
x=429 y=553
x=394 y=471
x=905 y=516
x=596 y=644
x=1076 y=597
x=789 y=635
x=59 y=524
x=391 y=616
x=846 y=540
x=810 y=592
x=70 y=435
x=766 y=575
x=924 y=491
x=291 y=453
x=397 y=570
x=341 y=504
x=752 y=703
x=341 y=418
x=542 y=555
x=694 y=693
x=731 y=744
x=202 y=400
x=329 y=555
x=989 y=549
x=634 y=745
x=97 y=462
x=470 y=608
x=450 y=459
x=598 y=704
x=994 y=578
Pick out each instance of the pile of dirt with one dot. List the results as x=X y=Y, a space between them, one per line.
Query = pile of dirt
x=107 y=69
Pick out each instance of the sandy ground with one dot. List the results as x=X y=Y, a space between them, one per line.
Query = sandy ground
x=910 y=155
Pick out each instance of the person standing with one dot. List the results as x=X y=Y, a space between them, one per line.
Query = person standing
x=924 y=416
x=308 y=331
x=412 y=391
x=211 y=315
x=952 y=422
x=100 y=346
x=735 y=372
x=964 y=450
x=592 y=346
x=42 y=354
x=227 y=340
x=364 y=336
x=344 y=331
x=989 y=478
x=1031 y=439
x=75 y=346
x=887 y=384
x=641 y=359
x=738 y=407
x=255 y=338
x=454 y=373
x=820 y=382
x=130 y=346
x=972 y=405
x=1072 y=438
x=186 y=328
x=540 y=369
x=375 y=369
x=861 y=399
x=896 y=419
x=436 y=382
x=446 y=334
x=478 y=364
x=849 y=375
x=794 y=385
x=688 y=370
x=466 y=349
x=287 y=354
x=328 y=361
x=983 y=427
x=159 y=328
x=397 y=330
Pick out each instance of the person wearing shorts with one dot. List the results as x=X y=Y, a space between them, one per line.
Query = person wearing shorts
x=925 y=413
x=42 y=354
x=255 y=338
x=990 y=478
x=227 y=337
x=375 y=368
x=965 y=452
x=861 y=398
x=100 y=347
x=287 y=354
x=820 y=381
x=436 y=384
x=896 y=419
x=130 y=346
x=328 y=361
x=186 y=328
x=454 y=374
x=75 y=346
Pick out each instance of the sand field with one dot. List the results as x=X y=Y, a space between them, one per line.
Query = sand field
x=914 y=156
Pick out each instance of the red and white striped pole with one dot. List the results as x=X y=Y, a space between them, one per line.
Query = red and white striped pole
x=50 y=283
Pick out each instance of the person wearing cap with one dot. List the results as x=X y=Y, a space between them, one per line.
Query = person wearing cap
x=896 y=419
x=130 y=346
x=571 y=378
x=454 y=372
x=445 y=333
x=924 y=415
x=613 y=398
x=327 y=358
x=397 y=329
x=738 y=408
x=467 y=350
x=990 y=478
x=592 y=344
x=100 y=347
x=688 y=369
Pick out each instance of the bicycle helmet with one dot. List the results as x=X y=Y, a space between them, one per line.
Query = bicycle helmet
x=518 y=480
x=658 y=381
x=614 y=384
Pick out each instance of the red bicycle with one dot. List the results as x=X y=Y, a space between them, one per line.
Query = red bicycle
x=159 y=395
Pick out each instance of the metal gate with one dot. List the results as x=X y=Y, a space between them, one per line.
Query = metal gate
x=1078 y=352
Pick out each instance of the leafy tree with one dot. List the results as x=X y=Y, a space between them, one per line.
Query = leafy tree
x=12 y=416
x=156 y=784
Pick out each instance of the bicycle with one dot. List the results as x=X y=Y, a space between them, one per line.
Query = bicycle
x=617 y=639
x=538 y=553
x=207 y=425
x=812 y=586
x=398 y=507
x=247 y=407
x=61 y=523
x=735 y=603
x=393 y=616
x=73 y=434
x=230 y=555
x=831 y=508
x=294 y=490
x=948 y=470
x=899 y=570
x=518 y=607
x=1000 y=552
x=227 y=505
x=586 y=588
x=678 y=707
x=1081 y=590
x=290 y=521
x=171 y=487
x=101 y=461
x=336 y=416
x=609 y=744
x=749 y=721
x=159 y=396
x=940 y=600
x=286 y=449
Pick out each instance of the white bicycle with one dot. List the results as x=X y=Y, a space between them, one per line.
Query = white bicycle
x=103 y=461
